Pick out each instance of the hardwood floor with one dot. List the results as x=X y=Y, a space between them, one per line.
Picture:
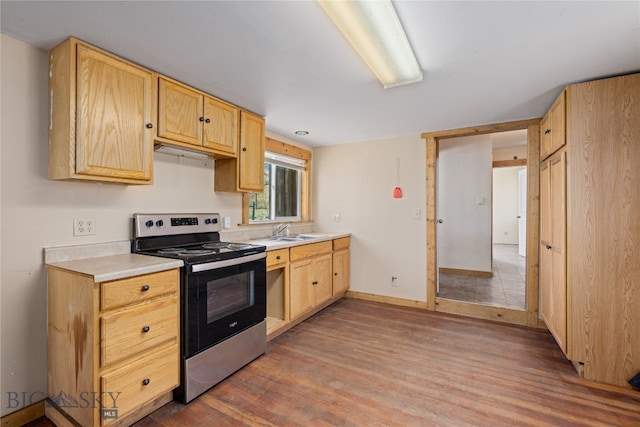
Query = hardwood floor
x=361 y=363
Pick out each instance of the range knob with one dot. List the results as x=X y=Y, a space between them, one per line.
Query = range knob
x=159 y=223
x=149 y=223
x=207 y=221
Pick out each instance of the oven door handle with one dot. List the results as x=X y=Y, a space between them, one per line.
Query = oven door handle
x=227 y=262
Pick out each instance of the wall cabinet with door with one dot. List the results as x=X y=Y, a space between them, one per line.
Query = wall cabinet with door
x=553 y=128
x=104 y=111
x=193 y=119
x=102 y=116
x=590 y=231
x=246 y=172
x=113 y=346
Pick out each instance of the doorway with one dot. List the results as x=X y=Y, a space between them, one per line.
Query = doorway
x=481 y=209
x=528 y=316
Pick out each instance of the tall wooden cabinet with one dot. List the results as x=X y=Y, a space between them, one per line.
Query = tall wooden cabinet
x=590 y=275
x=102 y=116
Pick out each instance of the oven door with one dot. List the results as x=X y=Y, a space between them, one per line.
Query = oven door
x=223 y=299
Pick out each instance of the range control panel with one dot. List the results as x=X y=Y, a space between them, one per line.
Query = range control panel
x=148 y=225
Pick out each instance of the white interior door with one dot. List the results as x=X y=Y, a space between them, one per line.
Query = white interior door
x=522 y=212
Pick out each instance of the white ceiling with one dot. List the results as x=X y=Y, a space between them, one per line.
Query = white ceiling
x=484 y=62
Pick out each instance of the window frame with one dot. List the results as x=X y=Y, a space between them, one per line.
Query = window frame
x=283 y=148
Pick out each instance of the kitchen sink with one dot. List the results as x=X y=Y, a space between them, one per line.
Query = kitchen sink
x=295 y=237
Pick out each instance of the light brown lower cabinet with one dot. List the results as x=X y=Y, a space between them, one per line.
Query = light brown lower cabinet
x=113 y=346
x=341 y=265
x=311 y=276
x=304 y=279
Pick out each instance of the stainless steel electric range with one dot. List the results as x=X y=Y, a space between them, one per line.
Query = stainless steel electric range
x=223 y=295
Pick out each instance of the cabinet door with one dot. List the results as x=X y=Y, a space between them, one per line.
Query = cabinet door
x=546 y=265
x=180 y=113
x=220 y=126
x=114 y=105
x=322 y=279
x=558 y=127
x=545 y=137
x=558 y=249
x=301 y=290
x=340 y=271
x=251 y=154
x=553 y=289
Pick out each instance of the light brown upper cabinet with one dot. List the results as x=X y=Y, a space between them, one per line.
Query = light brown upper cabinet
x=102 y=116
x=188 y=118
x=553 y=128
x=246 y=173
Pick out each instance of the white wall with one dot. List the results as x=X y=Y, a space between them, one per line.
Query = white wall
x=464 y=203
x=357 y=181
x=505 y=205
x=37 y=213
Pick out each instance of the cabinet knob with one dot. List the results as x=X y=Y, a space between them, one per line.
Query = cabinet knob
x=146 y=381
x=278 y=257
x=244 y=148
x=201 y=119
x=146 y=329
x=149 y=125
x=314 y=283
x=547 y=131
x=145 y=288
x=207 y=120
x=335 y=274
x=548 y=247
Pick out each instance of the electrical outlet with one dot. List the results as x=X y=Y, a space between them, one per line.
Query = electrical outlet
x=84 y=227
x=336 y=217
x=394 y=281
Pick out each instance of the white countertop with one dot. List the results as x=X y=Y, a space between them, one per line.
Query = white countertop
x=114 y=267
x=106 y=261
x=280 y=244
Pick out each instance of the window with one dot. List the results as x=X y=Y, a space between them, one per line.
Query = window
x=286 y=186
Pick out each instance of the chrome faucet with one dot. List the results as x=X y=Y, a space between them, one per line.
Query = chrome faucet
x=280 y=228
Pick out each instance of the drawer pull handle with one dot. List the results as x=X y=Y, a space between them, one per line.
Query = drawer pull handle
x=145 y=288
x=146 y=329
x=278 y=257
x=146 y=381
x=314 y=283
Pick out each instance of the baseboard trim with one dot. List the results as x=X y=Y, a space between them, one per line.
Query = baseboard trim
x=388 y=300
x=476 y=273
x=24 y=415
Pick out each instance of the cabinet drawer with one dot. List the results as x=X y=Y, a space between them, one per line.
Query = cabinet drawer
x=135 y=289
x=279 y=256
x=130 y=332
x=140 y=382
x=312 y=249
x=341 y=243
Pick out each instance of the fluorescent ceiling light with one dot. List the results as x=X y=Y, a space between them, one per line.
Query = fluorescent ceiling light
x=375 y=32
x=175 y=151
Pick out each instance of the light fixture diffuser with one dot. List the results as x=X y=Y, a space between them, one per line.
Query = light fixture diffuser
x=375 y=32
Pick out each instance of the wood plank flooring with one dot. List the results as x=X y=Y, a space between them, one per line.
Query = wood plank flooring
x=361 y=363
